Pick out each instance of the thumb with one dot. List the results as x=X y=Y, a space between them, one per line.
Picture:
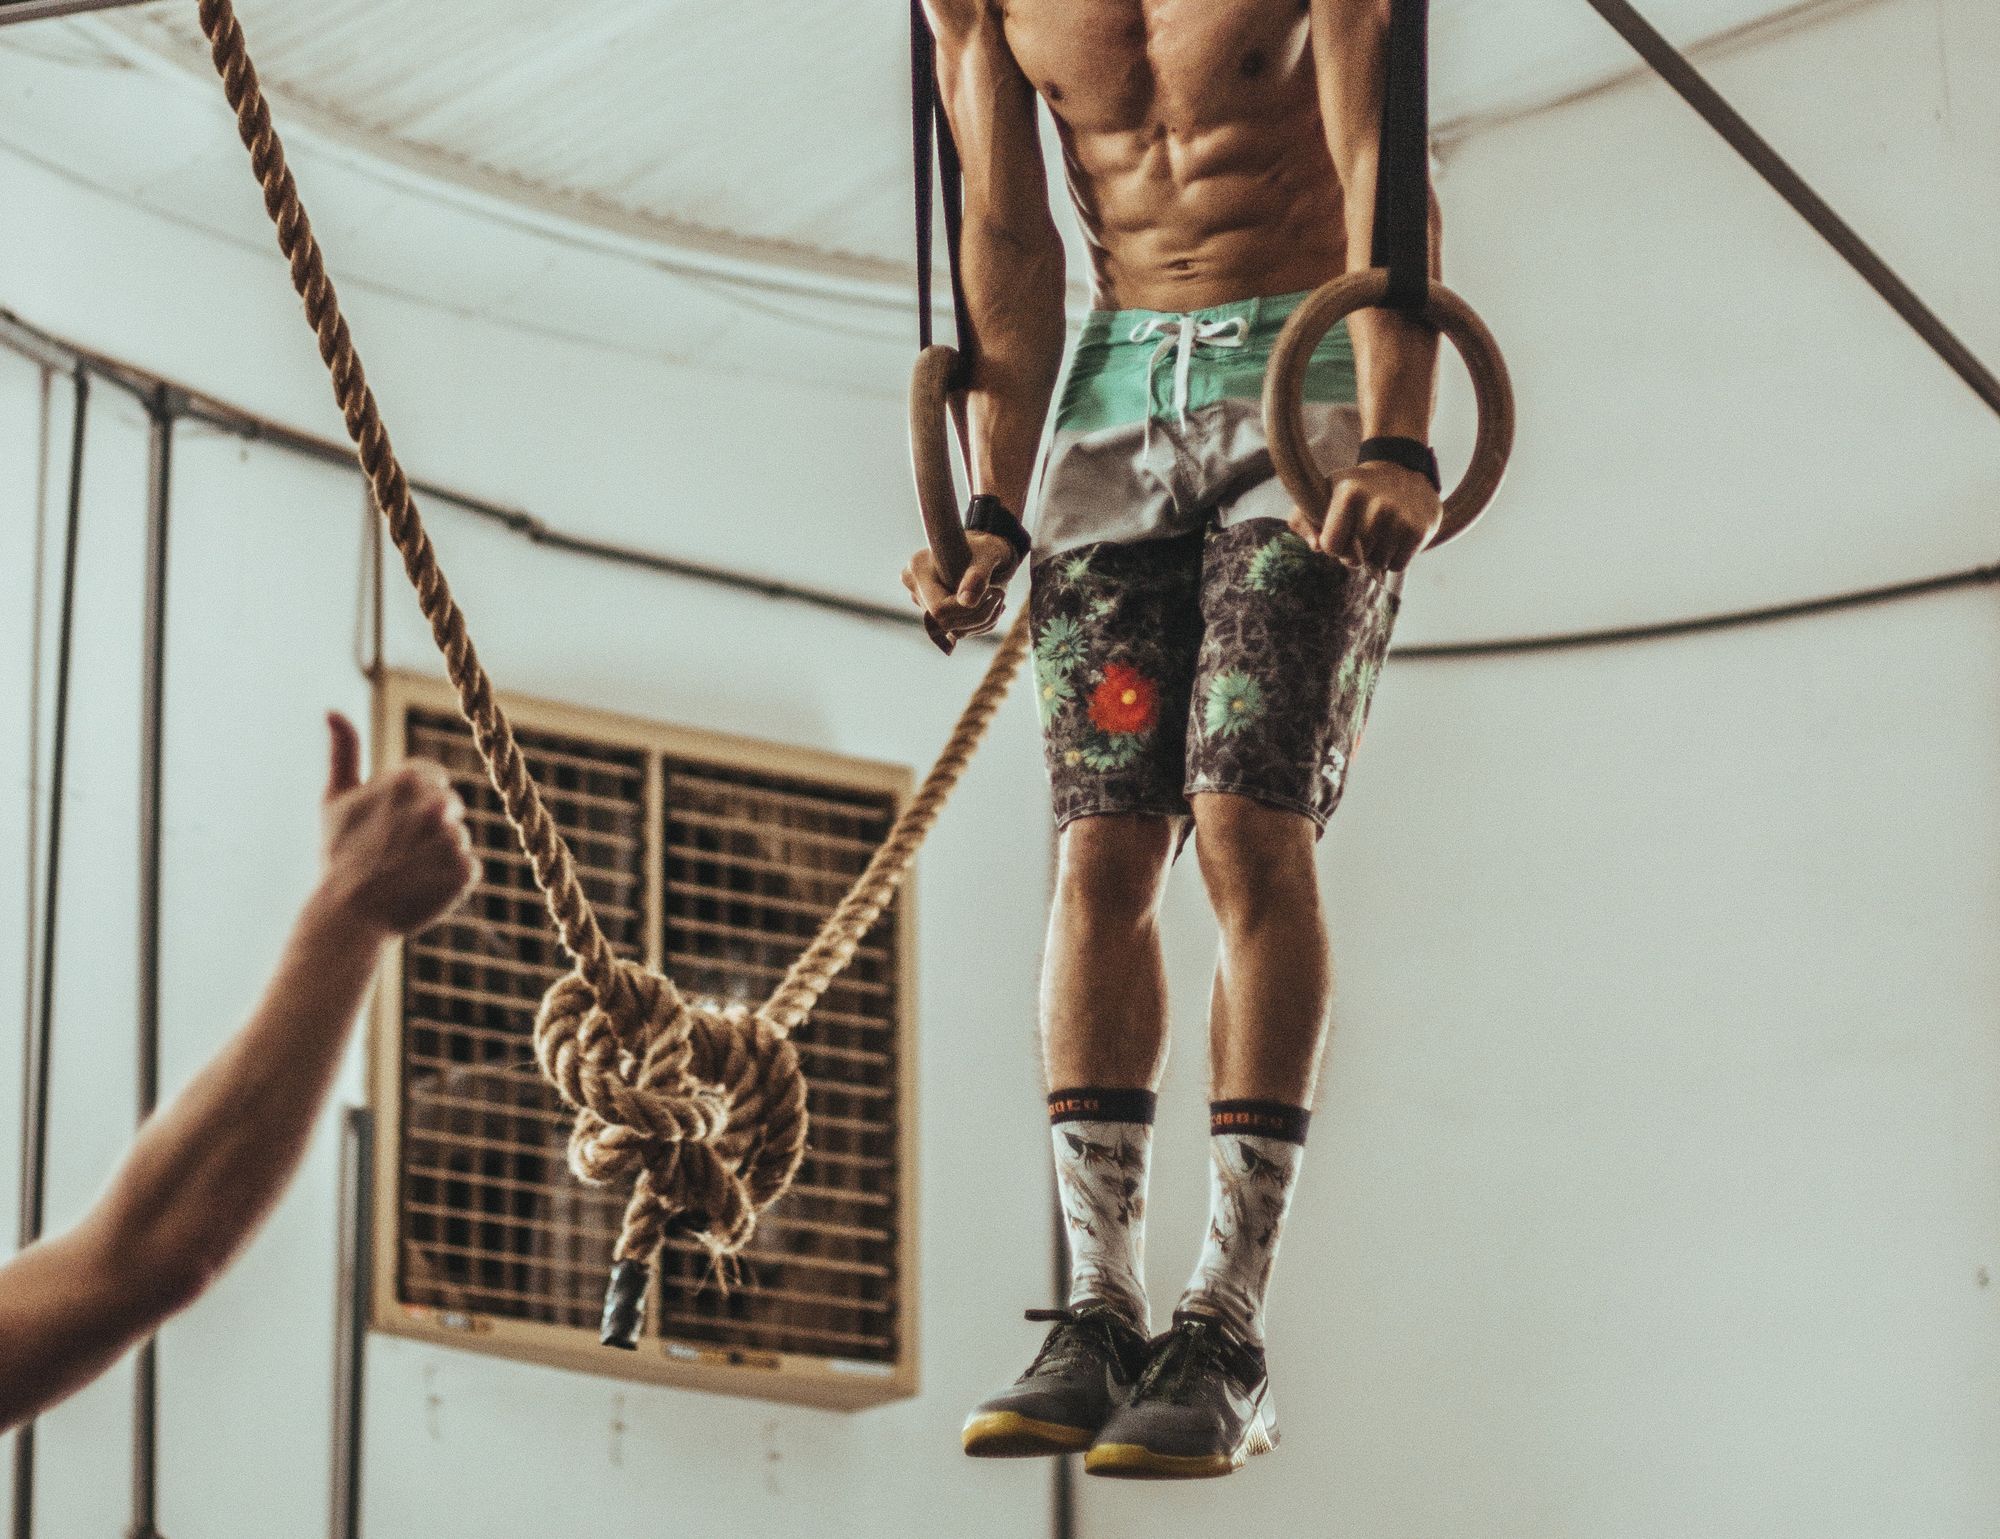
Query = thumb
x=973 y=585
x=343 y=771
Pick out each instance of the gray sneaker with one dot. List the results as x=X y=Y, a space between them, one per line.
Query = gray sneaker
x=1201 y=1408
x=1083 y=1372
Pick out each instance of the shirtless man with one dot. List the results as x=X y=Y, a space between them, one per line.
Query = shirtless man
x=208 y=1168
x=1204 y=652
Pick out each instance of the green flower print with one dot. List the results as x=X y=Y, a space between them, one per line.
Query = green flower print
x=1074 y=569
x=1104 y=753
x=1052 y=692
x=1060 y=649
x=1235 y=700
x=1279 y=561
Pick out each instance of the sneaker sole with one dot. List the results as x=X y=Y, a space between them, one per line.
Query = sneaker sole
x=1135 y=1461
x=1010 y=1435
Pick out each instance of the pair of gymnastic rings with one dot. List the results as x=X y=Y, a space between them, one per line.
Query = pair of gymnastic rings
x=932 y=418
x=1399 y=279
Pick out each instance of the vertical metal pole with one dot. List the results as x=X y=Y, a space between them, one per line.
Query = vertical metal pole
x=350 y=1322
x=1062 y=1473
x=31 y=897
x=152 y=732
x=36 y=1041
x=1673 y=67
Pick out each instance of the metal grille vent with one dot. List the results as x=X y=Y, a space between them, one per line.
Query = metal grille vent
x=718 y=865
x=754 y=863
x=493 y=1223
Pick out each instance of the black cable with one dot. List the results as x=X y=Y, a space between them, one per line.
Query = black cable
x=152 y=743
x=222 y=415
x=37 y=1042
x=1735 y=619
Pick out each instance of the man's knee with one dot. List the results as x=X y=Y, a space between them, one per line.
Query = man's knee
x=1112 y=869
x=1256 y=861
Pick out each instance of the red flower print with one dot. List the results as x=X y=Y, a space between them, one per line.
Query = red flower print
x=1125 y=702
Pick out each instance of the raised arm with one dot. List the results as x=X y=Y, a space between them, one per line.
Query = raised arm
x=207 y=1169
x=1011 y=257
x=1381 y=513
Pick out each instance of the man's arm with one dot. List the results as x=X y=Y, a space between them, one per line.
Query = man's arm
x=1382 y=514
x=1011 y=258
x=206 y=1170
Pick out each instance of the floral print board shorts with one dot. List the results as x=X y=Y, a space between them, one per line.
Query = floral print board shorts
x=1186 y=641
x=1236 y=659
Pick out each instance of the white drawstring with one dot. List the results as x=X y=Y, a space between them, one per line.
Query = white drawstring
x=1181 y=335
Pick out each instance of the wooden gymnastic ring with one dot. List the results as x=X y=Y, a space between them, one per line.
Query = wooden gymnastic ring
x=931 y=427
x=1284 y=394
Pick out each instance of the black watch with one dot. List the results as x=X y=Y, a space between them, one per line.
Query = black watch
x=987 y=514
x=1410 y=453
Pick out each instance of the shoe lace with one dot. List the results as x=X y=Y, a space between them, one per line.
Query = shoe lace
x=1074 y=1330
x=1182 y=1358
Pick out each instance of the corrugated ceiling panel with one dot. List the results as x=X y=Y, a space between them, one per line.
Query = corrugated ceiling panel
x=781 y=124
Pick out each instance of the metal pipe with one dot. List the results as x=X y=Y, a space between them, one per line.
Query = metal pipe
x=12 y=11
x=37 y=1040
x=1062 y=1470
x=1673 y=67
x=30 y=342
x=355 y=1270
x=212 y=411
x=152 y=733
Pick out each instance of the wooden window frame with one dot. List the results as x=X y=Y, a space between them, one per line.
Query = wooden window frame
x=774 y=1375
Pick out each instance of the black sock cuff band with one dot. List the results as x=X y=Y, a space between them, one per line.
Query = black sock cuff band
x=1260 y=1119
x=1094 y=1103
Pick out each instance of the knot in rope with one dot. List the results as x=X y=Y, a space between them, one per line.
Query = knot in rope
x=702 y=1108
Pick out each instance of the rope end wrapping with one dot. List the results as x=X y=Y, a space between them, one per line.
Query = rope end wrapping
x=625 y=1305
x=703 y=1110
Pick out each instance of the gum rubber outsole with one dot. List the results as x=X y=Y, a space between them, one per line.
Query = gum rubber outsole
x=1135 y=1461
x=1010 y=1435
x=1131 y=1461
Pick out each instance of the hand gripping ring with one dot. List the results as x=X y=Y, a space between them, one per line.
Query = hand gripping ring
x=1284 y=394
x=931 y=426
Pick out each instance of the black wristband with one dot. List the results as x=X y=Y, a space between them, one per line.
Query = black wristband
x=987 y=514
x=1410 y=453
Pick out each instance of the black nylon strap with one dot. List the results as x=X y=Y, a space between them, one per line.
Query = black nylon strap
x=1402 y=236
x=987 y=514
x=1410 y=453
x=928 y=126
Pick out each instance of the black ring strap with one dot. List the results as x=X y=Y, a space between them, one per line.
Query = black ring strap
x=1402 y=235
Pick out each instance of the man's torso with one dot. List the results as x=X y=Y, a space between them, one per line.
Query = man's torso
x=1193 y=144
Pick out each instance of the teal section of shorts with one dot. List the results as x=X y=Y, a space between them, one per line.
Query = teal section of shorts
x=1112 y=381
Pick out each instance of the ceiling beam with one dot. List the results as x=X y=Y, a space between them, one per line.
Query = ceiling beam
x=1795 y=17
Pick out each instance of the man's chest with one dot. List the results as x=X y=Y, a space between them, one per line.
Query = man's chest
x=1109 y=65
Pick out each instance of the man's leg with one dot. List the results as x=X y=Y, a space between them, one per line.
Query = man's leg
x=1116 y=632
x=1267 y=1031
x=1104 y=986
x=1104 y=1044
x=1291 y=648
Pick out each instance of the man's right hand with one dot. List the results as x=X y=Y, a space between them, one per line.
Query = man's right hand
x=973 y=607
x=396 y=854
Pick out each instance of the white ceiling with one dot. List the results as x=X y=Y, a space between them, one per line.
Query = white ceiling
x=776 y=135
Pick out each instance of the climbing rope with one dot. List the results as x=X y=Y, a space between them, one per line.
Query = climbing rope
x=702 y=1109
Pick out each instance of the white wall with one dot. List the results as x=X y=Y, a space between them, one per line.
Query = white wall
x=1655 y=1190
x=1655 y=1184
x=596 y=435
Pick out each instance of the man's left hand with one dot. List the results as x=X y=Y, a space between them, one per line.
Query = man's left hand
x=1380 y=516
